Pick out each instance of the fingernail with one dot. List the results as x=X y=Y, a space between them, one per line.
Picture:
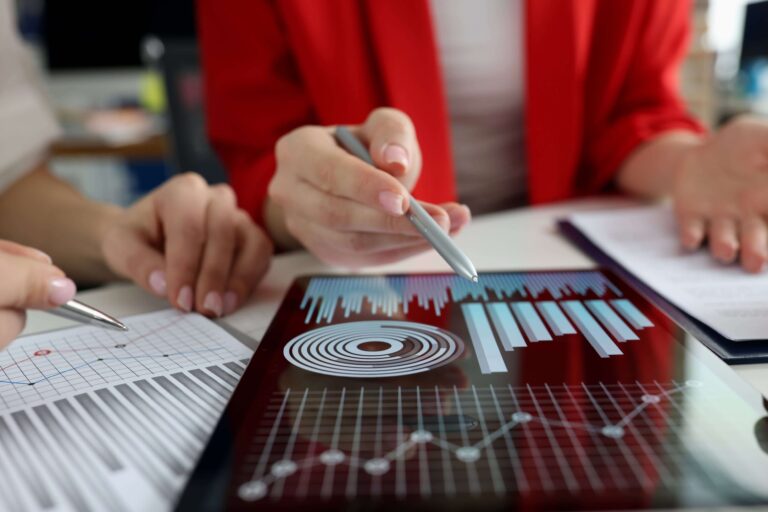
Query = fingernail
x=396 y=154
x=230 y=302
x=214 y=303
x=61 y=290
x=157 y=282
x=185 y=298
x=392 y=202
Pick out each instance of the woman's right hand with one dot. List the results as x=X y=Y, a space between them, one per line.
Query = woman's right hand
x=30 y=281
x=343 y=210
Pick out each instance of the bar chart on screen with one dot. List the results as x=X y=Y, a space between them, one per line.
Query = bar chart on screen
x=96 y=420
x=503 y=312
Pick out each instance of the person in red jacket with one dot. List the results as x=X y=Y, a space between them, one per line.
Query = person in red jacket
x=512 y=102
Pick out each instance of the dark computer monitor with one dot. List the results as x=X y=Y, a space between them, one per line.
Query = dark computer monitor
x=94 y=34
x=755 y=40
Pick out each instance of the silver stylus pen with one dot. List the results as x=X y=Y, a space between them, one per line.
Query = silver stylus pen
x=85 y=314
x=418 y=216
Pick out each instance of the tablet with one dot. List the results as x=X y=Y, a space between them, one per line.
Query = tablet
x=537 y=390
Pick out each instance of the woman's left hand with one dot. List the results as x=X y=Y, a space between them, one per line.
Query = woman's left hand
x=189 y=242
x=721 y=194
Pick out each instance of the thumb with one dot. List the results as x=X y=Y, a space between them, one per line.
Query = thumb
x=32 y=284
x=393 y=143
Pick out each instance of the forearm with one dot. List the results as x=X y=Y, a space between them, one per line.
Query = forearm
x=42 y=211
x=650 y=170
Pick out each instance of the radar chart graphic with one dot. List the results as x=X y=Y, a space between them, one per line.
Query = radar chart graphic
x=373 y=349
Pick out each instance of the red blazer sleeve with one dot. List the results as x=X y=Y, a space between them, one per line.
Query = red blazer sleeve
x=253 y=91
x=646 y=101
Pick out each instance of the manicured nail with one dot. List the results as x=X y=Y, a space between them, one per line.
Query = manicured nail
x=396 y=154
x=230 y=302
x=392 y=202
x=61 y=290
x=214 y=303
x=185 y=298
x=157 y=282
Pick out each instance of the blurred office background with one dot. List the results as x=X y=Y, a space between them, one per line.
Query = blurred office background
x=124 y=78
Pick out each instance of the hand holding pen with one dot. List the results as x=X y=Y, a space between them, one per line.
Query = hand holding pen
x=344 y=210
x=33 y=282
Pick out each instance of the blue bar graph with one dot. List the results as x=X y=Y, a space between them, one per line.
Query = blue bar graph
x=597 y=337
x=631 y=314
x=484 y=342
x=608 y=317
x=532 y=325
x=503 y=312
x=555 y=318
x=506 y=326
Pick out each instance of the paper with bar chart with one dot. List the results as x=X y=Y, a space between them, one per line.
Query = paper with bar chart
x=531 y=389
x=97 y=420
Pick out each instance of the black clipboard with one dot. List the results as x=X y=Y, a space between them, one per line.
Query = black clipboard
x=732 y=352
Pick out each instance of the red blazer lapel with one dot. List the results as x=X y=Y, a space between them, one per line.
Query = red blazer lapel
x=404 y=44
x=557 y=40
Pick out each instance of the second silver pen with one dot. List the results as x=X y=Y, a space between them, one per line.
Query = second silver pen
x=418 y=216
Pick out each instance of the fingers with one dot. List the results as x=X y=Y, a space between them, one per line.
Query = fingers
x=25 y=251
x=32 y=284
x=190 y=242
x=182 y=205
x=11 y=324
x=392 y=140
x=250 y=264
x=346 y=215
x=754 y=244
x=459 y=216
x=339 y=174
x=218 y=253
x=691 y=230
x=729 y=239
x=723 y=239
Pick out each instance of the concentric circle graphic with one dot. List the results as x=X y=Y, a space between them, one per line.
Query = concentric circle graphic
x=373 y=349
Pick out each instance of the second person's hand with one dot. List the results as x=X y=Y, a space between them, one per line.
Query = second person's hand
x=30 y=281
x=345 y=211
x=189 y=242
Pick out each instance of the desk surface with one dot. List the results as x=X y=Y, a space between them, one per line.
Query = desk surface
x=524 y=239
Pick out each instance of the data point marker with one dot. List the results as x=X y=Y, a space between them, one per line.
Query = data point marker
x=332 y=457
x=613 y=431
x=468 y=454
x=376 y=466
x=252 y=491
x=521 y=417
x=421 y=436
x=283 y=468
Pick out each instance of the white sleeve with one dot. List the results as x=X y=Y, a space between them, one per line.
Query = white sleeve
x=27 y=125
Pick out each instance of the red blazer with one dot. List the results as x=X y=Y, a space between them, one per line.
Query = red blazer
x=600 y=80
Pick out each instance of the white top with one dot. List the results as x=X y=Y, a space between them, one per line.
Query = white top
x=27 y=125
x=480 y=45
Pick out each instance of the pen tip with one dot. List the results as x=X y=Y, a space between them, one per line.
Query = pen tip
x=474 y=279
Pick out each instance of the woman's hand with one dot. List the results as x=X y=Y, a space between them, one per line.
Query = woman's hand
x=343 y=210
x=721 y=194
x=30 y=281
x=189 y=242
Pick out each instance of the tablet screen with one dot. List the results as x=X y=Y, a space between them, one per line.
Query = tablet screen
x=561 y=389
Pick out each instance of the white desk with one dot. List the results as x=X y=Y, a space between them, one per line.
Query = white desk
x=519 y=240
